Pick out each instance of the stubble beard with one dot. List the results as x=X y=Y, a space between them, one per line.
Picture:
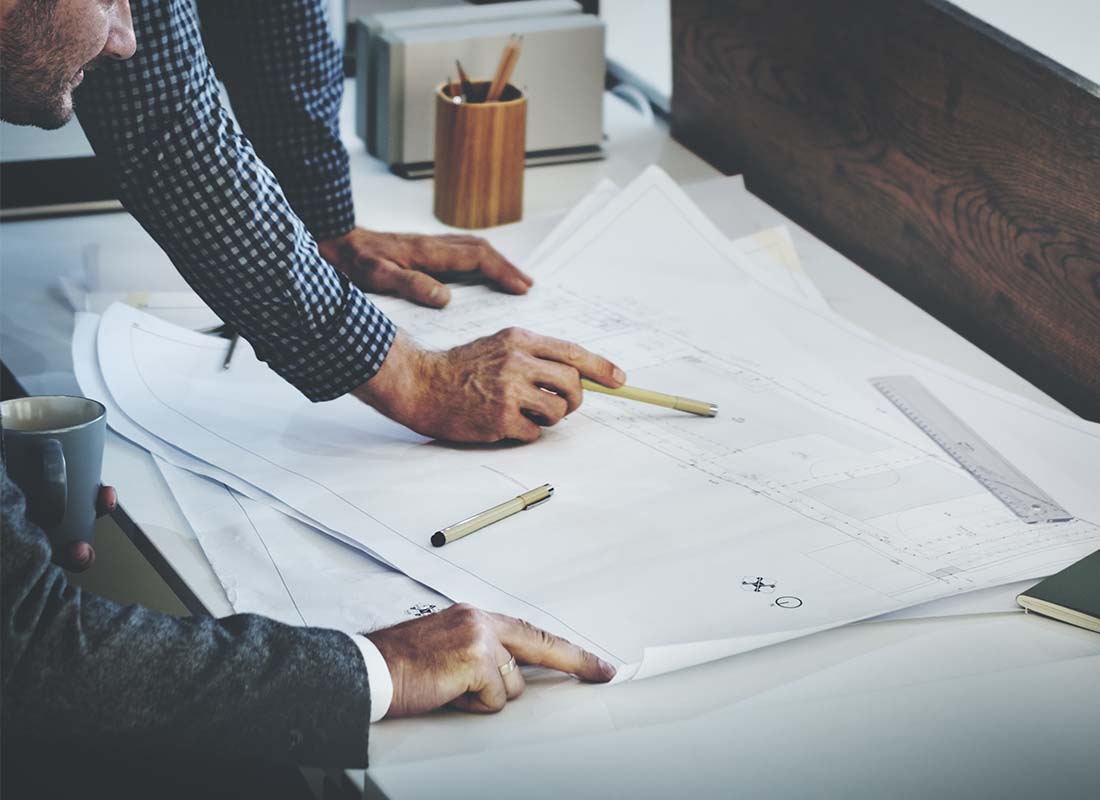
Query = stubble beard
x=32 y=90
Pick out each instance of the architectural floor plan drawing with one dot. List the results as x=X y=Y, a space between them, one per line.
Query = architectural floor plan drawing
x=670 y=539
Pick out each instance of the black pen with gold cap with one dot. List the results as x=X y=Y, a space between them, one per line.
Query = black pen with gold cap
x=523 y=502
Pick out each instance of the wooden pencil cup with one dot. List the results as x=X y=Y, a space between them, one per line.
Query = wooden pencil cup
x=479 y=157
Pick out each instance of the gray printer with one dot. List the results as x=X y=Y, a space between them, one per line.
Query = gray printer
x=402 y=56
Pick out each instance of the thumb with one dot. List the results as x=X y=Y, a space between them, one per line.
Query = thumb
x=76 y=556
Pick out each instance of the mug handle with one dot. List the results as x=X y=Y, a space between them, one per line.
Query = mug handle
x=56 y=481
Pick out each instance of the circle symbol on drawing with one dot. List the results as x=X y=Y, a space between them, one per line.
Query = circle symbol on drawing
x=788 y=601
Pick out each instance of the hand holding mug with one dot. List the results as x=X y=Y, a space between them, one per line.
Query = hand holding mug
x=54 y=453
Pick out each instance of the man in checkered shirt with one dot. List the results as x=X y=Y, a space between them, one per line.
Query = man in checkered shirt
x=263 y=227
x=260 y=222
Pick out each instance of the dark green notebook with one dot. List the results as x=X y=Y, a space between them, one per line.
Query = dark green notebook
x=1072 y=595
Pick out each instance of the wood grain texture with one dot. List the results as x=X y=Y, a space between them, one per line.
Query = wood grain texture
x=953 y=163
x=479 y=158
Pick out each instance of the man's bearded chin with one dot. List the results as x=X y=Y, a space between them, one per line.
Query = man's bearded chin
x=32 y=92
x=27 y=101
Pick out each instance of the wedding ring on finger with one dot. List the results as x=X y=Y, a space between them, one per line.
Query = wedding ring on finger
x=508 y=668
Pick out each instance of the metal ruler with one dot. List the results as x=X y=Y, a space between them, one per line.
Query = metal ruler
x=974 y=454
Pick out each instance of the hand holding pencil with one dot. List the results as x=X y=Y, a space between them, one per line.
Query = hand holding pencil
x=506 y=386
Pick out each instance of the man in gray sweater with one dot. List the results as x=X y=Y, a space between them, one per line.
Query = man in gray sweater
x=79 y=670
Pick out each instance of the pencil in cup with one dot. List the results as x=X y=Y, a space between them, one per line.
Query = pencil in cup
x=699 y=407
x=479 y=157
x=504 y=71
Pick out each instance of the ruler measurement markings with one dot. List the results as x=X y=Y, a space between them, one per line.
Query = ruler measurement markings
x=992 y=470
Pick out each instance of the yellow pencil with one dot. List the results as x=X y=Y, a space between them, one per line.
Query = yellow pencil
x=699 y=407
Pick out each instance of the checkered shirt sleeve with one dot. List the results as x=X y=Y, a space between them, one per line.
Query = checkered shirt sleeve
x=285 y=77
x=197 y=185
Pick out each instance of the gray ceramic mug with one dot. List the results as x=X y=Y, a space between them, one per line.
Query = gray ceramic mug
x=53 y=448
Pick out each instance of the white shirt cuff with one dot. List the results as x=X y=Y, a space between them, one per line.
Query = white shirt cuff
x=378 y=677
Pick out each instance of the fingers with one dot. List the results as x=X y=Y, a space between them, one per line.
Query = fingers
x=502 y=272
x=589 y=365
x=491 y=695
x=494 y=688
x=553 y=369
x=371 y=258
x=532 y=645
x=523 y=429
x=469 y=254
x=463 y=657
x=473 y=704
x=514 y=684
x=546 y=408
x=501 y=681
x=562 y=380
x=106 y=501
x=387 y=277
x=76 y=556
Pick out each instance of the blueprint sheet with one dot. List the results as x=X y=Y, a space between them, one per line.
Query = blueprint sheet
x=803 y=506
x=268 y=560
x=273 y=564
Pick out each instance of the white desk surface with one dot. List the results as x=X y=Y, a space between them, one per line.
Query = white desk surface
x=993 y=705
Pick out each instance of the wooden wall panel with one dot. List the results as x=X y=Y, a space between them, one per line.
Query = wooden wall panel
x=958 y=166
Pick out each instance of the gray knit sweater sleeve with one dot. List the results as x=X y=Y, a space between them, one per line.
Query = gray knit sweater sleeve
x=78 y=668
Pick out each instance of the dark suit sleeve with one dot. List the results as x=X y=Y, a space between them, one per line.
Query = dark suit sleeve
x=78 y=668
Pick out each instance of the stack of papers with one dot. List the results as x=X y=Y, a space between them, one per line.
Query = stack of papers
x=808 y=503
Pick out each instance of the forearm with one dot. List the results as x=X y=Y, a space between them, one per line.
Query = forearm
x=79 y=668
x=202 y=192
x=284 y=75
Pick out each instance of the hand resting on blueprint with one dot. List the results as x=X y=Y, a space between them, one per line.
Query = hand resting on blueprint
x=462 y=657
x=498 y=387
x=413 y=266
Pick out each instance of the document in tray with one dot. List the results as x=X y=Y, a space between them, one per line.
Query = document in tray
x=670 y=539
